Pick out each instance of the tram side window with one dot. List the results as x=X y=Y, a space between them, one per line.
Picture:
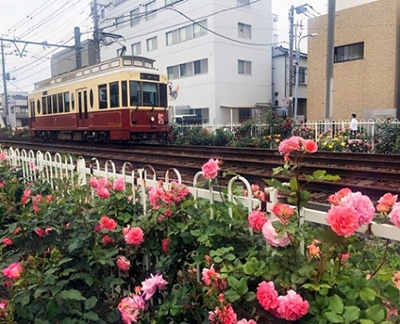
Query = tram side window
x=163 y=95
x=60 y=103
x=114 y=94
x=103 y=96
x=66 y=101
x=54 y=99
x=135 y=91
x=124 y=90
x=44 y=105
x=49 y=105
x=150 y=94
x=38 y=106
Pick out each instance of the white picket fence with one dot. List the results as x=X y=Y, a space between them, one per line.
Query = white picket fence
x=368 y=127
x=50 y=167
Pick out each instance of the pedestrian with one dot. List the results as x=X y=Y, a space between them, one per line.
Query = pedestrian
x=354 y=125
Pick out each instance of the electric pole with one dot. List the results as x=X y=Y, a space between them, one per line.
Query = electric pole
x=291 y=60
x=330 y=59
x=78 y=49
x=3 y=64
x=96 y=38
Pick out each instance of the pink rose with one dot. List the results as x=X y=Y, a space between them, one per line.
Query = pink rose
x=310 y=146
x=226 y=315
x=345 y=256
x=344 y=220
x=257 y=220
x=388 y=199
x=134 y=236
x=271 y=236
x=103 y=183
x=17 y=230
x=210 y=169
x=362 y=205
x=395 y=215
x=255 y=187
x=292 y=307
x=39 y=232
x=13 y=271
x=119 y=184
x=210 y=275
x=130 y=308
x=313 y=250
x=381 y=208
x=283 y=211
x=93 y=182
x=245 y=321
x=267 y=296
x=3 y=156
x=7 y=241
x=1 y=185
x=291 y=144
x=107 y=223
x=103 y=192
x=150 y=285
x=155 y=195
x=108 y=240
x=337 y=197
x=123 y=263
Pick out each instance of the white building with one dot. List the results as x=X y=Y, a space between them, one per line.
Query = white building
x=280 y=62
x=17 y=109
x=219 y=79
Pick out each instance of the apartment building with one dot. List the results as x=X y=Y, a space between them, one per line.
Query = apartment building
x=366 y=61
x=17 y=109
x=217 y=54
x=280 y=79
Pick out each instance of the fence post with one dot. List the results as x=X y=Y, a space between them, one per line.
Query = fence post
x=81 y=169
x=316 y=131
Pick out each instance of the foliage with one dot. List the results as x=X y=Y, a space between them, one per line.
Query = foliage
x=389 y=138
x=344 y=141
x=212 y=259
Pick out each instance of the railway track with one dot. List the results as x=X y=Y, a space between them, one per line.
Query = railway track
x=372 y=174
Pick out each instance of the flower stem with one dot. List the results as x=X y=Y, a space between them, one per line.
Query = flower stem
x=383 y=260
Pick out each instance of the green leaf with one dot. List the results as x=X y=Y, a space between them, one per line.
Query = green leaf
x=375 y=313
x=74 y=245
x=91 y=316
x=293 y=184
x=230 y=257
x=248 y=268
x=351 y=313
x=319 y=174
x=365 y=321
x=195 y=232
x=336 y=304
x=333 y=318
x=232 y=295
x=367 y=294
x=23 y=299
x=52 y=308
x=233 y=282
x=242 y=287
x=91 y=302
x=72 y=294
x=250 y=296
x=352 y=294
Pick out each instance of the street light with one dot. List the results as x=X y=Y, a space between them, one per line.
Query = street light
x=296 y=100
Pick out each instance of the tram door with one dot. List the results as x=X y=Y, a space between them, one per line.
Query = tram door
x=83 y=114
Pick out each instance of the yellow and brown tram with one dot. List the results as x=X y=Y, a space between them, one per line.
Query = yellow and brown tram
x=122 y=99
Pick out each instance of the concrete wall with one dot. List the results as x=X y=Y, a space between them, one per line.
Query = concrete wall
x=222 y=85
x=367 y=87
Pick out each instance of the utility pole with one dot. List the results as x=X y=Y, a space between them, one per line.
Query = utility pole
x=96 y=38
x=330 y=59
x=78 y=49
x=3 y=63
x=289 y=84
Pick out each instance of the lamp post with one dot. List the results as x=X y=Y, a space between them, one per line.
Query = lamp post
x=296 y=100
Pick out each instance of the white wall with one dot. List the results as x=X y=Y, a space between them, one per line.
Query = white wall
x=222 y=85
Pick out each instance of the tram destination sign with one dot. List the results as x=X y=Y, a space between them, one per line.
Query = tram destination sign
x=149 y=76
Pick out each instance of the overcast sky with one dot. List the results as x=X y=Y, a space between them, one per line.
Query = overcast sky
x=29 y=20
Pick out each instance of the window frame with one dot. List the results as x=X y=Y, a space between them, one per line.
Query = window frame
x=249 y=64
x=135 y=21
x=152 y=42
x=139 y=47
x=245 y=26
x=348 y=47
x=100 y=88
x=151 y=15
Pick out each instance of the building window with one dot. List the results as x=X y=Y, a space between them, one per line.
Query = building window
x=136 y=49
x=302 y=75
x=150 y=10
x=152 y=44
x=244 y=67
x=245 y=114
x=119 y=21
x=349 y=52
x=171 y=2
x=186 y=33
x=187 y=69
x=102 y=13
x=244 y=31
x=243 y=1
x=117 y=2
x=135 y=18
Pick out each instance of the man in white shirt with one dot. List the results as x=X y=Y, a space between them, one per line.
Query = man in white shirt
x=354 y=125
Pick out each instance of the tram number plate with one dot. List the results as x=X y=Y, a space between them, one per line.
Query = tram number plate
x=160 y=119
x=149 y=76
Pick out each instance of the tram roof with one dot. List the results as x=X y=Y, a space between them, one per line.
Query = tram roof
x=98 y=69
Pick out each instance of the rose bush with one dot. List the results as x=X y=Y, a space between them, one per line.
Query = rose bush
x=90 y=254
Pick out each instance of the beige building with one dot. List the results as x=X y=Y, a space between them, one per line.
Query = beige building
x=366 y=68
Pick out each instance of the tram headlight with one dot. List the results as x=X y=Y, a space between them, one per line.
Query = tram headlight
x=152 y=119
